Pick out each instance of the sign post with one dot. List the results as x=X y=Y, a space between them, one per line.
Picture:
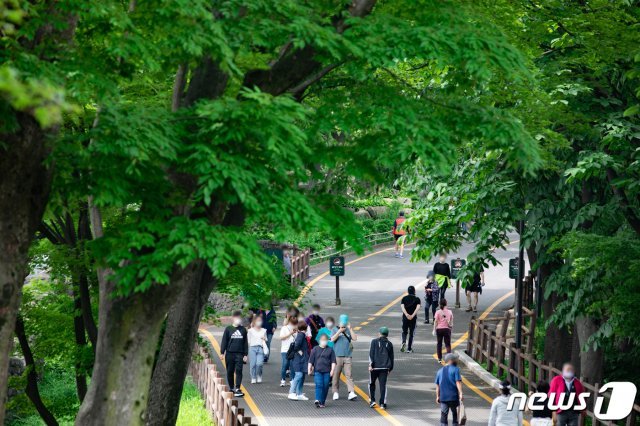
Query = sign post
x=336 y=269
x=456 y=266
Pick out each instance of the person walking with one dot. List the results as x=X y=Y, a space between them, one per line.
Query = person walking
x=399 y=232
x=257 y=337
x=500 y=415
x=235 y=348
x=449 y=390
x=431 y=297
x=542 y=416
x=343 y=337
x=326 y=330
x=410 y=305
x=287 y=337
x=315 y=323
x=380 y=365
x=270 y=324
x=442 y=272
x=299 y=364
x=442 y=326
x=566 y=384
x=322 y=364
x=474 y=290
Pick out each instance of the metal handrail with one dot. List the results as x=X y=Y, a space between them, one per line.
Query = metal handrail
x=319 y=256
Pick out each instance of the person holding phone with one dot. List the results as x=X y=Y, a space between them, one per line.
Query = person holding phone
x=343 y=337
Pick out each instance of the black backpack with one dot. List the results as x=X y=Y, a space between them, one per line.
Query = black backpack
x=291 y=352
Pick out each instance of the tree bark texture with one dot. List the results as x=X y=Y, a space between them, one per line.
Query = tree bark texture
x=591 y=361
x=557 y=342
x=174 y=358
x=25 y=182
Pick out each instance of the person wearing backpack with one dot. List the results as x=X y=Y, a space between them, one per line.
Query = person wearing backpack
x=235 y=349
x=380 y=365
x=431 y=297
x=399 y=234
x=343 y=338
x=300 y=357
x=287 y=337
x=322 y=364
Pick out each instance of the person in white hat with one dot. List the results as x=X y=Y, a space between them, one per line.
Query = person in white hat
x=500 y=415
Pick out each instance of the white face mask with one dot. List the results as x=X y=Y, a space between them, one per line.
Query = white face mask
x=329 y=324
x=237 y=321
x=316 y=313
x=568 y=375
x=258 y=324
x=323 y=343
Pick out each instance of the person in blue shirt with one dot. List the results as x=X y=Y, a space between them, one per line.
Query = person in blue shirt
x=449 y=389
x=327 y=331
x=343 y=337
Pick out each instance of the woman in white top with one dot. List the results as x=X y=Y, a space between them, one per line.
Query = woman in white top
x=287 y=336
x=257 y=337
x=500 y=415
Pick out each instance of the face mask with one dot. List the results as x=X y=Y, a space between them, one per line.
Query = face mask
x=329 y=324
x=568 y=375
x=237 y=321
x=258 y=324
x=323 y=343
x=300 y=319
x=316 y=313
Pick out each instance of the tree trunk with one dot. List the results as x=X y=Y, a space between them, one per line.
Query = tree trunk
x=81 y=341
x=24 y=190
x=591 y=361
x=175 y=354
x=557 y=342
x=128 y=332
x=32 y=376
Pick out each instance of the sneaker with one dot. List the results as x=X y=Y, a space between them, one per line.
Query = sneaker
x=469 y=309
x=404 y=346
x=253 y=381
x=410 y=351
x=321 y=406
x=426 y=321
x=302 y=398
x=259 y=379
x=383 y=406
x=440 y=361
x=475 y=309
x=372 y=404
x=352 y=396
x=282 y=383
x=317 y=403
x=336 y=396
x=396 y=255
x=293 y=397
x=238 y=393
x=401 y=257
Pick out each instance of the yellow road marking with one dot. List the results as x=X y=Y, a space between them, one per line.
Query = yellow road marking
x=247 y=397
x=313 y=282
x=370 y=318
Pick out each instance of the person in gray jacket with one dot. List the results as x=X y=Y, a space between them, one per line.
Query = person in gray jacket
x=500 y=415
x=380 y=365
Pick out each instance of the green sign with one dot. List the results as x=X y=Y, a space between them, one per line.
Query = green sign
x=336 y=266
x=513 y=268
x=456 y=266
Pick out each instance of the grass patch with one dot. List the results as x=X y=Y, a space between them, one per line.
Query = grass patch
x=192 y=411
x=58 y=392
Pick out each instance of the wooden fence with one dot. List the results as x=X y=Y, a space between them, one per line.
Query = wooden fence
x=490 y=345
x=300 y=265
x=218 y=399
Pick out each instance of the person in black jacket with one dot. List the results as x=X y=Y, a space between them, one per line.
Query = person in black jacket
x=380 y=365
x=235 y=348
x=443 y=268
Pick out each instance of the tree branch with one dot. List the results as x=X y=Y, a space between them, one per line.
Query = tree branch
x=298 y=90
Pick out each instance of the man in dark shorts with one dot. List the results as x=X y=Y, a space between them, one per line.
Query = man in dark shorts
x=473 y=291
x=410 y=305
x=399 y=234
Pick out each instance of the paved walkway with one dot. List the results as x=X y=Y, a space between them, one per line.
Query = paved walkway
x=370 y=293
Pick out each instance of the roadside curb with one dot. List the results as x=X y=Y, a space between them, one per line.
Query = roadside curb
x=480 y=371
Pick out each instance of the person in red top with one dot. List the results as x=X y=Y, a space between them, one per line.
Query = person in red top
x=400 y=234
x=566 y=384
